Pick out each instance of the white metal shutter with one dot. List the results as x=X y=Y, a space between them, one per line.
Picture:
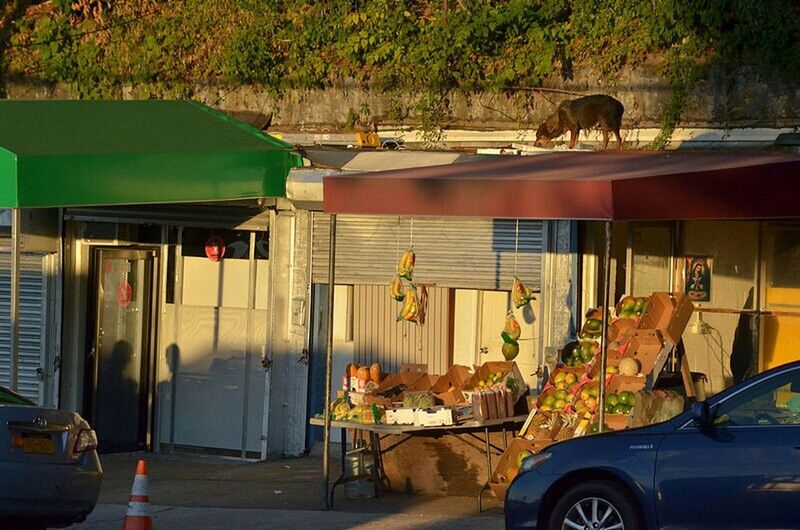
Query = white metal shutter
x=468 y=253
x=32 y=323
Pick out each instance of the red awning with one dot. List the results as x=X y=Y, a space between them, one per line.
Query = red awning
x=632 y=185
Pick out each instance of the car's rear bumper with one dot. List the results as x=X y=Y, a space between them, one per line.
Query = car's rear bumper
x=50 y=490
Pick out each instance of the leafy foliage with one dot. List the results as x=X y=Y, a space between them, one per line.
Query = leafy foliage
x=427 y=48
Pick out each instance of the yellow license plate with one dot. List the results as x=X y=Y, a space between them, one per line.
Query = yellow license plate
x=39 y=445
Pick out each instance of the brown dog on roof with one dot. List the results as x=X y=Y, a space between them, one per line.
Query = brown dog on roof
x=582 y=113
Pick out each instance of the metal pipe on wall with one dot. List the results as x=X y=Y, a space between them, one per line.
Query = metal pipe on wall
x=14 y=309
x=604 y=332
x=326 y=448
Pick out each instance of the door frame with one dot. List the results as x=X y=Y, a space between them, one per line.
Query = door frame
x=146 y=426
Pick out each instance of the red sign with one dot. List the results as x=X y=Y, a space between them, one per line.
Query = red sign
x=124 y=293
x=215 y=248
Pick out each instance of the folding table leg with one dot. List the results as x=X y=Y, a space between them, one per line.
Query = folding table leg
x=488 y=452
x=373 y=439
x=341 y=476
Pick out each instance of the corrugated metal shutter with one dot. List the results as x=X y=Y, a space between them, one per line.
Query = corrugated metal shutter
x=32 y=322
x=469 y=253
x=377 y=337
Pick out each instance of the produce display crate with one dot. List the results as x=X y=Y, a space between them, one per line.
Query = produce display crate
x=508 y=368
x=668 y=313
x=449 y=387
x=508 y=466
x=646 y=346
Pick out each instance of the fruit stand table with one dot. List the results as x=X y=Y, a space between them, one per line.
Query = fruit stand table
x=468 y=432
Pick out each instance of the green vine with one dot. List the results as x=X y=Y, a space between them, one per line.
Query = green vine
x=427 y=50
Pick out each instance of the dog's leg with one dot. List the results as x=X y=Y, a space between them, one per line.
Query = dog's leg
x=619 y=139
x=573 y=137
x=605 y=139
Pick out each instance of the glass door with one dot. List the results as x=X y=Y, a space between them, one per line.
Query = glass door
x=119 y=361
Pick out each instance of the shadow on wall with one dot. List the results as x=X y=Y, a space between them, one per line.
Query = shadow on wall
x=512 y=244
x=116 y=400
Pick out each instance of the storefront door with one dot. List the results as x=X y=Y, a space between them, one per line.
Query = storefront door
x=781 y=295
x=119 y=360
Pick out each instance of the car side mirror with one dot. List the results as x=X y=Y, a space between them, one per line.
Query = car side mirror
x=701 y=415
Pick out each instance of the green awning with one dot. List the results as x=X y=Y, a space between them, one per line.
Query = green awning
x=95 y=153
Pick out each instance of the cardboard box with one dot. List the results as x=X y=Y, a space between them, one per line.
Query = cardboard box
x=617 y=421
x=626 y=383
x=621 y=332
x=448 y=387
x=645 y=347
x=435 y=417
x=374 y=399
x=424 y=383
x=668 y=313
x=508 y=466
x=401 y=416
x=508 y=368
x=413 y=368
x=394 y=381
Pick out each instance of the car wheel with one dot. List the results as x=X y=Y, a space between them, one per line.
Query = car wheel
x=595 y=505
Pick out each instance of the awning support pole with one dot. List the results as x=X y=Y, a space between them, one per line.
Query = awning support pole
x=604 y=333
x=326 y=448
x=14 y=309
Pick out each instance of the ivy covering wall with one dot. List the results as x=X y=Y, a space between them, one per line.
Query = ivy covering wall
x=428 y=49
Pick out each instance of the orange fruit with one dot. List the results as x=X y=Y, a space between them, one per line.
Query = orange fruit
x=352 y=369
x=363 y=374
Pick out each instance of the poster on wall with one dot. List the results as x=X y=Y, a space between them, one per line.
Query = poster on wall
x=697 y=278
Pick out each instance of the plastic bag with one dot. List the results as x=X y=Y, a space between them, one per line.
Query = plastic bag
x=396 y=289
x=520 y=294
x=405 y=269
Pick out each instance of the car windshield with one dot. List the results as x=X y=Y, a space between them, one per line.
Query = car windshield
x=775 y=401
x=7 y=397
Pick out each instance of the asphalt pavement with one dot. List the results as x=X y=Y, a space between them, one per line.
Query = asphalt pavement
x=194 y=492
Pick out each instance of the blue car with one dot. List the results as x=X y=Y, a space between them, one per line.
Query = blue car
x=730 y=462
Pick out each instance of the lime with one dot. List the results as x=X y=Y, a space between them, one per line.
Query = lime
x=627 y=398
x=593 y=325
x=612 y=399
x=548 y=400
x=559 y=404
x=619 y=408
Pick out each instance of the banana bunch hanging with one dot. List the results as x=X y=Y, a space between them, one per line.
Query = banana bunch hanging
x=411 y=306
x=405 y=269
x=396 y=289
x=414 y=302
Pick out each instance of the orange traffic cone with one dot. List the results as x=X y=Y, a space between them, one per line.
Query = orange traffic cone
x=138 y=516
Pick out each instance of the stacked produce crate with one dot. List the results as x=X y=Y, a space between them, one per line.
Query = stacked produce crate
x=642 y=333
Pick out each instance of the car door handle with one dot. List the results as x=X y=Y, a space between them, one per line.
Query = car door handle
x=797 y=447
